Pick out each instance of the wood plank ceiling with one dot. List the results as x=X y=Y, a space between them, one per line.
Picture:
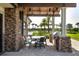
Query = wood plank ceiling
x=45 y=9
x=42 y=11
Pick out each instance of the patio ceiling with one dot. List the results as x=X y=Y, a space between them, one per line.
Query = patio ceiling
x=44 y=9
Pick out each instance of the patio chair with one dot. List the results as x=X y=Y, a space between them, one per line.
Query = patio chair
x=41 y=42
x=57 y=38
x=36 y=43
x=29 y=42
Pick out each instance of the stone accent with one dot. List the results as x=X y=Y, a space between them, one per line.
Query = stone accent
x=13 y=36
x=10 y=26
x=66 y=44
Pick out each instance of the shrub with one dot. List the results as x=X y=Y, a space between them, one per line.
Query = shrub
x=73 y=31
x=35 y=33
x=41 y=33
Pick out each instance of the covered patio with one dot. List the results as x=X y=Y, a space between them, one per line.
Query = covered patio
x=16 y=16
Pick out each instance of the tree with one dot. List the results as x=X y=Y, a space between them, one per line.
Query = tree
x=41 y=25
x=44 y=23
x=77 y=24
x=69 y=26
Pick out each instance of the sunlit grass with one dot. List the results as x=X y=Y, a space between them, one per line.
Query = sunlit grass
x=74 y=36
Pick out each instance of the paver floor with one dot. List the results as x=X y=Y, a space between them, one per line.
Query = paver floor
x=47 y=51
x=75 y=44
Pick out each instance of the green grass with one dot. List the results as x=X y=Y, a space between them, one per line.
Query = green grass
x=74 y=36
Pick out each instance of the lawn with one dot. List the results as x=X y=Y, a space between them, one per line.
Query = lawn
x=74 y=36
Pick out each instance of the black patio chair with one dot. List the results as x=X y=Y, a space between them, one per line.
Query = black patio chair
x=36 y=43
x=42 y=42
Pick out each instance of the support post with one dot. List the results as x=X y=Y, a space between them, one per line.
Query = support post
x=26 y=27
x=52 y=26
x=51 y=35
x=64 y=39
x=63 y=22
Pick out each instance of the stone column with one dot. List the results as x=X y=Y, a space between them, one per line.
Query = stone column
x=10 y=29
x=18 y=29
x=63 y=21
x=65 y=41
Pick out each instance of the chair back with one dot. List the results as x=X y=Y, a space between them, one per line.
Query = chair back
x=42 y=39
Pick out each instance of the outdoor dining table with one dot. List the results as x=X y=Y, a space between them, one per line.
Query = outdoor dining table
x=37 y=37
x=34 y=39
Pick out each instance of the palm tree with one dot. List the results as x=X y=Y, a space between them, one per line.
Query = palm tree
x=44 y=23
x=41 y=25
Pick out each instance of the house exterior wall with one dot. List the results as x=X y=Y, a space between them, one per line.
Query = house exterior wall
x=11 y=36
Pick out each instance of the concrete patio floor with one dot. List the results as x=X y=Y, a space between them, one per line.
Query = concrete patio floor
x=47 y=51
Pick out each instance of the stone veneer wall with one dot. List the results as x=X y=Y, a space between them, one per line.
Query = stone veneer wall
x=66 y=44
x=10 y=26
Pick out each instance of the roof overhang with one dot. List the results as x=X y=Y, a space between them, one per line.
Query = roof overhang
x=50 y=4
